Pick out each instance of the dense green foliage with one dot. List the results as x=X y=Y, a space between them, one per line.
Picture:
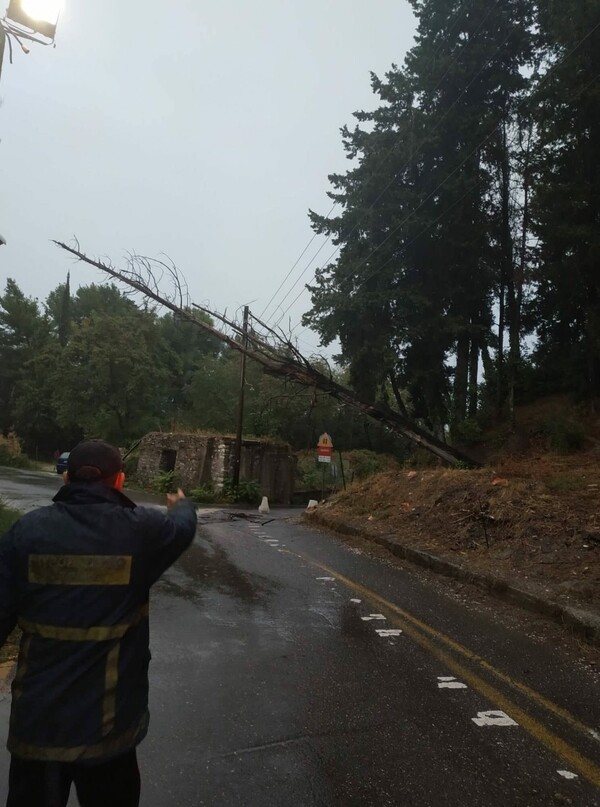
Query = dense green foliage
x=94 y=364
x=468 y=226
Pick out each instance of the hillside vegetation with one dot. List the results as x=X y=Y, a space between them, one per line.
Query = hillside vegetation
x=532 y=515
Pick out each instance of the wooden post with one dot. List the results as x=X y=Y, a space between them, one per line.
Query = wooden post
x=237 y=456
x=342 y=469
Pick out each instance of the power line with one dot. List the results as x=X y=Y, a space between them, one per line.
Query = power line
x=477 y=148
x=283 y=282
x=404 y=167
x=300 y=276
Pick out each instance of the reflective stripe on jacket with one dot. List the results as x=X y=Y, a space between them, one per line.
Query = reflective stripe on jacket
x=75 y=576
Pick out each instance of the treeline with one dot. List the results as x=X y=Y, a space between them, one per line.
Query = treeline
x=94 y=364
x=468 y=272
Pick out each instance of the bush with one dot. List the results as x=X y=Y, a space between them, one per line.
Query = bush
x=205 y=494
x=10 y=452
x=308 y=472
x=165 y=482
x=358 y=464
x=366 y=463
x=469 y=432
x=248 y=491
x=564 y=436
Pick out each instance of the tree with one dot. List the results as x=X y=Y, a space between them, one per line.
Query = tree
x=33 y=411
x=566 y=198
x=111 y=378
x=277 y=356
x=191 y=351
x=411 y=294
x=23 y=330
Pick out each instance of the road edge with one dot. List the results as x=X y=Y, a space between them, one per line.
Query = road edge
x=585 y=624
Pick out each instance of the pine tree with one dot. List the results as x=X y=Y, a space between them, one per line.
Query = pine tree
x=421 y=257
x=566 y=198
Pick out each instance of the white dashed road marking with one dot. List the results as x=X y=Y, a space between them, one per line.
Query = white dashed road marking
x=356 y=601
x=493 y=718
x=568 y=774
x=390 y=632
x=326 y=578
x=449 y=682
x=372 y=616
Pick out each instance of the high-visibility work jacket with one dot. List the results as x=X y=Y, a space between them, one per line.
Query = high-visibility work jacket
x=75 y=576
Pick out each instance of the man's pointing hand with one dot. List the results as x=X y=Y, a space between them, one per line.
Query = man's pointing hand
x=174 y=497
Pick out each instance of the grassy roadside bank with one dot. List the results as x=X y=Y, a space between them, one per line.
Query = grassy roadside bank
x=536 y=520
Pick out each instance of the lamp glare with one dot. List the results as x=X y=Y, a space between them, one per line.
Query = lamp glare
x=42 y=10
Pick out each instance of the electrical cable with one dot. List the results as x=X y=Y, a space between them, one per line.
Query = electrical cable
x=397 y=174
x=283 y=282
x=401 y=171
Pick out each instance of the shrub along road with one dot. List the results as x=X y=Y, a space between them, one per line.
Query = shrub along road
x=291 y=668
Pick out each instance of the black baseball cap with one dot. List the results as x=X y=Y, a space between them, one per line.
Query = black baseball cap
x=94 y=459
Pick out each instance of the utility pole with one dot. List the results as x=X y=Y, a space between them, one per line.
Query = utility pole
x=237 y=456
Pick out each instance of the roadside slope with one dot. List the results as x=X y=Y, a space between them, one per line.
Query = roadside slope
x=534 y=522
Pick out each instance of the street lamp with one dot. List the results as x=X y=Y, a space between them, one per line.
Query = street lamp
x=35 y=20
x=34 y=17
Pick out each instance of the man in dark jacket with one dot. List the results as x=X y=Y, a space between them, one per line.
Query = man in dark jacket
x=75 y=576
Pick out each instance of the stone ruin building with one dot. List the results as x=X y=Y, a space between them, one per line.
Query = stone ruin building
x=202 y=460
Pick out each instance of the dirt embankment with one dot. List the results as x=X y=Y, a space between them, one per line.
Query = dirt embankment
x=533 y=520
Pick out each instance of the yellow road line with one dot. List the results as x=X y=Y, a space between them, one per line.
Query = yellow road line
x=554 y=708
x=415 y=628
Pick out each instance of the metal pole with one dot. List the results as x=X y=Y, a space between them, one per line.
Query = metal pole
x=342 y=469
x=237 y=457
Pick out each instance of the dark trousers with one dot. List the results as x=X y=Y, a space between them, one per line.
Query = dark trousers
x=115 y=783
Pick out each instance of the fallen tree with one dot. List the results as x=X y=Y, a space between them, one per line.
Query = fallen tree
x=272 y=349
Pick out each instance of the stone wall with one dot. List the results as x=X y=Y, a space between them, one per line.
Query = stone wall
x=202 y=460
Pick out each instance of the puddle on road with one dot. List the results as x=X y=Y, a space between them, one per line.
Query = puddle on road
x=207 y=566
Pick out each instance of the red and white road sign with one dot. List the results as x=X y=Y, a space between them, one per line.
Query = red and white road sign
x=324 y=448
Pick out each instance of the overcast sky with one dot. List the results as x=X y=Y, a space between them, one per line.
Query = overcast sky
x=204 y=130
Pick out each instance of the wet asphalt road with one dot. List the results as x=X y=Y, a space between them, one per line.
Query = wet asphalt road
x=272 y=684
x=26 y=490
